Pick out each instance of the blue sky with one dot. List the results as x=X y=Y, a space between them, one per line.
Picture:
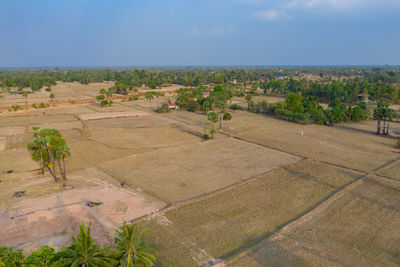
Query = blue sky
x=198 y=32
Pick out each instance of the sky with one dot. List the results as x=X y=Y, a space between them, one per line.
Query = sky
x=105 y=33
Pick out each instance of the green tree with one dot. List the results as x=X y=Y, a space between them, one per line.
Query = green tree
x=382 y=112
x=149 y=96
x=85 y=253
x=212 y=116
x=11 y=258
x=49 y=147
x=52 y=97
x=131 y=249
x=25 y=95
x=45 y=257
x=264 y=106
x=227 y=117
x=294 y=103
x=248 y=99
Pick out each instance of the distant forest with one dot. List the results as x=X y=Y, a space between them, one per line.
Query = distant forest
x=326 y=83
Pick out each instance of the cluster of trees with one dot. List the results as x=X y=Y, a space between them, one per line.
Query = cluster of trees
x=104 y=97
x=149 y=95
x=382 y=112
x=128 y=249
x=347 y=91
x=213 y=103
x=49 y=147
x=300 y=109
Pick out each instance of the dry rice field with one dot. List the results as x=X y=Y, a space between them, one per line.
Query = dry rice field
x=263 y=192
x=327 y=144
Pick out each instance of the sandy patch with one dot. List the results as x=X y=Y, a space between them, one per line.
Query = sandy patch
x=53 y=219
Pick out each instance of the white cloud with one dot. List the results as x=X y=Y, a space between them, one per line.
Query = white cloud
x=270 y=14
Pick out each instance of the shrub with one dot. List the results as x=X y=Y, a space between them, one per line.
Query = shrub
x=240 y=94
x=294 y=103
x=356 y=114
x=318 y=116
x=42 y=105
x=338 y=114
x=15 y=107
x=236 y=107
x=163 y=108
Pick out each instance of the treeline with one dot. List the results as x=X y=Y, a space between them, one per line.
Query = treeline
x=347 y=91
x=305 y=110
x=154 y=78
x=128 y=249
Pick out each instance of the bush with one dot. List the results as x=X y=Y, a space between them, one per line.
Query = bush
x=240 y=94
x=48 y=89
x=15 y=107
x=42 y=105
x=132 y=98
x=318 y=116
x=34 y=105
x=338 y=114
x=356 y=114
x=235 y=107
x=163 y=108
x=294 y=103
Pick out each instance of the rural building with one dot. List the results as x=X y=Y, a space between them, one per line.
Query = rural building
x=205 y=94
x=172 y=106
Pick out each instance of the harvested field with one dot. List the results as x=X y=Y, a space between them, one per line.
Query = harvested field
x=327 y=144
x=109 y=115
x=116 y=107
x=7 y=131
x=33 y=120
x=62 y=91
x=142 y=138
x=391 y=171
x=89 y=153
x=220 y=225
x=17 y=160
x=360 y=228
x=131 y=122
x=369 y=127
x=182 y=172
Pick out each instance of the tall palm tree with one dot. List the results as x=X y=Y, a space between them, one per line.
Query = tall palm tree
x=131 y=249
x=85 y=253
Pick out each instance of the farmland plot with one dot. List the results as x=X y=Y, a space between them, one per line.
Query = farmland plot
x=225 y=223
x=327 y=144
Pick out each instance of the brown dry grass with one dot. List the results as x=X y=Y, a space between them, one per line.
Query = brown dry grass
x=336 y=146
x=392 y=171
x=361 y=228
x=181 y=172
x=237 y=218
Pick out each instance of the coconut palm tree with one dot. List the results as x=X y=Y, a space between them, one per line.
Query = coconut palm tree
x=131 y=249
x=85 y=253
